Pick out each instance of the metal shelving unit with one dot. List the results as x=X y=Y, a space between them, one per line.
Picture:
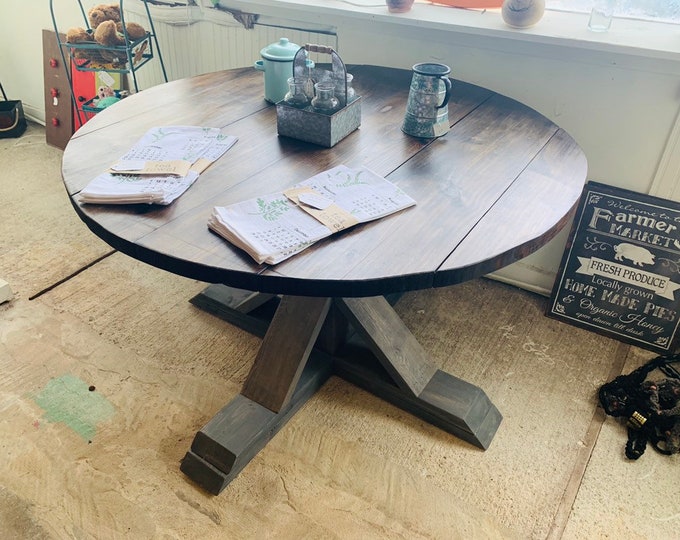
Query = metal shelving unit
x=123 y=59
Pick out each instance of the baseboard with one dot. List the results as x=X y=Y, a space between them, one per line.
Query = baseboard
x=531 y=287
x=34 y=114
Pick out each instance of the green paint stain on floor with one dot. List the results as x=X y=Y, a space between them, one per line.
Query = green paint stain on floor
x=69 y=400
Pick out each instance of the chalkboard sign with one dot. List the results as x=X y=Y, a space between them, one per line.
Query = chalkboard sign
x=620 y=273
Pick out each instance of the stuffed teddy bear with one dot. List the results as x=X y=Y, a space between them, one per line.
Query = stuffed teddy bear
x=106 y=30
x=105 y=15
x=103 y=12
x=80 y=36
x=110 y=34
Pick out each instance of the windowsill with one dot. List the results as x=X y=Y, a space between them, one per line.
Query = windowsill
x=628 y=37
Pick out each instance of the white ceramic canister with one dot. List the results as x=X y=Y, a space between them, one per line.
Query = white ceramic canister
x=277 y=64
x=522 y=13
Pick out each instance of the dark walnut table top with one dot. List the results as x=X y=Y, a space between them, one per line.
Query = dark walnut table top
x=498 y=186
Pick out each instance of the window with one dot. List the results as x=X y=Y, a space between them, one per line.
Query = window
x=654 y=10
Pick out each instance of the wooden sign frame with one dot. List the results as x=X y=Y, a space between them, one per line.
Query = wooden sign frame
x=620 y=272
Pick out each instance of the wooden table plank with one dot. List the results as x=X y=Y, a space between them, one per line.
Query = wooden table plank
x=462 y=172
x=259 y=149
x=529 y=209
x=454 y=181
x=178 y=95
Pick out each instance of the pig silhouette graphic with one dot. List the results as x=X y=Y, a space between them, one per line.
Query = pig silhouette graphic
x=637 y=254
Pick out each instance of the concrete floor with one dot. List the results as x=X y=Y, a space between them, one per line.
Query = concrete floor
x=107 y=371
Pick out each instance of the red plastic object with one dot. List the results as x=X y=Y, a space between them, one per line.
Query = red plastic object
x=53 y=62
x=55 y=121
x=83 y=90
x=54 y=92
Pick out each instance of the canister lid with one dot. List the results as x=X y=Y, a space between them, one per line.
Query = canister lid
x=283 y=51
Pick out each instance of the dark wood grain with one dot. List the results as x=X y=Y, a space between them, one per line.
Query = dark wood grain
x=450 y=403
x=495 y=155
x=455 y=181
x=550 y=181
x=285 y=350
x=246 y=309
x=227 y=443
x=390 y=341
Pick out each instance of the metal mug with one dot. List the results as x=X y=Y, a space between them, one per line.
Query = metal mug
x=427 y=113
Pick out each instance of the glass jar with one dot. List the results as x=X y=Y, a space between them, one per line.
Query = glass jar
x=296 y=96
x=324 y=99
x=351 y=94
x=343 y=84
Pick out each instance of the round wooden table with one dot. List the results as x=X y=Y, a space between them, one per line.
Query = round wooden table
x=501 y=183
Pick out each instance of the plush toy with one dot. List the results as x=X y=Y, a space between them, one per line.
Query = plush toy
x=134 y=31
x=106 y=102
x=103 y=12
x=105 y=91
x=106 y=30
x=80 y=36
x=107 y=96
x=110 y=33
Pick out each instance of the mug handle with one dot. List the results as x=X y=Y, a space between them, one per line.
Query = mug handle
x=447 y=96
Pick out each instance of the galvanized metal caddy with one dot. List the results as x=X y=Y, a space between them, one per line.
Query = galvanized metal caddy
x=309 y=125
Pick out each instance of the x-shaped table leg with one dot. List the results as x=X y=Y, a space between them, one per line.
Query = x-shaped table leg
x=383 y=357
